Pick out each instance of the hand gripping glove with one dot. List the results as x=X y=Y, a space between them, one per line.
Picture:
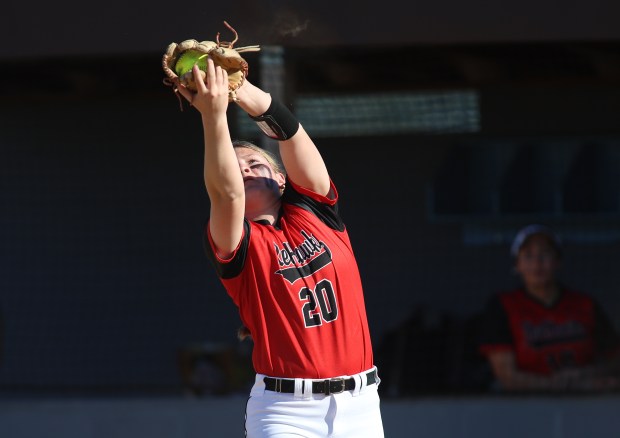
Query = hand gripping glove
x=180 y=58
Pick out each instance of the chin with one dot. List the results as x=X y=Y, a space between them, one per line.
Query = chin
x=541 y=281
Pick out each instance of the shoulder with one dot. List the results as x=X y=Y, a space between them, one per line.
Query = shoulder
x=579 y=298
x=232 y=266
x=503 y=298
x=323 y=207
x=495 y=304
x=576 y=294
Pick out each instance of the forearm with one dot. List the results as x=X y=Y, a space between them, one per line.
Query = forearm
x=252 y=99
x=565 y=380
x=300 y=157
x=221 y=168
x=516 y=380
x=513 y=378
x=604 y=368
x=304 y=162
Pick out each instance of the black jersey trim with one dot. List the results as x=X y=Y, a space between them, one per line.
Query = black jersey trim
x=234 y=266
x=328 y=214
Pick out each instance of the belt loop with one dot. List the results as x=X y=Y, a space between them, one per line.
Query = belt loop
x=299 y=388
x=364 y=380
x=306 y=389
x=359 y=379
x=258 y=389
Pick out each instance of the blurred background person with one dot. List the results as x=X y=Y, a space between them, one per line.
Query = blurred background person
x=543 y=335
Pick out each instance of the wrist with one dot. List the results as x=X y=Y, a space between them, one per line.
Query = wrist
x=277 y=122
x=252 y=99
x=212 y=121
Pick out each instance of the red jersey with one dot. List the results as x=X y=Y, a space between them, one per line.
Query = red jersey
x=298 y=290
x=572 y=332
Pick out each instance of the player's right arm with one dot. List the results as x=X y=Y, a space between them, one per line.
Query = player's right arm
x=223 y=179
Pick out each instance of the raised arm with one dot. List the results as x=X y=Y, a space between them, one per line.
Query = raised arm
x=222 y=176
x=302 y=160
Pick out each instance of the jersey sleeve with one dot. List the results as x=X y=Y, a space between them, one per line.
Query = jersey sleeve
x=495 y=333
x=323 y=207
x=231 y=267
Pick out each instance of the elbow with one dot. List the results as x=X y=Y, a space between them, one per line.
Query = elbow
x=225 y=194
x=507 y=383
x=224 y=190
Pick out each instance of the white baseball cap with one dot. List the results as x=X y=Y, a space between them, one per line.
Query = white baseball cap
x=530 y=230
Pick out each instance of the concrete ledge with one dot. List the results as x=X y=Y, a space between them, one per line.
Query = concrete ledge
x=169 y=417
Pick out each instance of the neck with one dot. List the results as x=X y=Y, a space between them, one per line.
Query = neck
x=547 y=293
x=264 y=217
x=269 y=214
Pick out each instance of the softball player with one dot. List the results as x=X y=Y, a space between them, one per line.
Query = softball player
x=284 y=256
x=543 y=335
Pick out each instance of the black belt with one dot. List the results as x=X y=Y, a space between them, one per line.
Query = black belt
x=327 y=386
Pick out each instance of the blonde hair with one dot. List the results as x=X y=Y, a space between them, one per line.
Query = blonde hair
x=271 y=158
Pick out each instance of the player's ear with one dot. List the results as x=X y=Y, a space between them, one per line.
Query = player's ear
x=281 y=179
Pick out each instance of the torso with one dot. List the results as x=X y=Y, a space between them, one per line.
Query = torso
x=548 y=338
x=300 y=293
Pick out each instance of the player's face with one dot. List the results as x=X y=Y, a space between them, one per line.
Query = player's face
x=538 y=262
x=262 y=183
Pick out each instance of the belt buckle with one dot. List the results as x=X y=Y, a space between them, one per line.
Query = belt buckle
x=328 y=386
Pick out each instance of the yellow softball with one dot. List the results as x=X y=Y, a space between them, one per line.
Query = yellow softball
x=188 y=59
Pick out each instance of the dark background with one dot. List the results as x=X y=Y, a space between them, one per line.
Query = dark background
x=103 y=278
x=73 y=27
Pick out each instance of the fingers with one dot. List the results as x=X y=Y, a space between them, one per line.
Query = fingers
x=211 y=73
x=188 y=95
x=201 y=87
x=217 y=77
x=224 y=78
x=211 y=86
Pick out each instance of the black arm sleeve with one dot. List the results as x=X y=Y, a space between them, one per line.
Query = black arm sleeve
x=234 y=266
x=328 y=214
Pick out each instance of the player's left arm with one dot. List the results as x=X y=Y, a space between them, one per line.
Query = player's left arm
x=300 y=156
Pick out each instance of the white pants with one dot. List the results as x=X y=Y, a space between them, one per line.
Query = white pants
x=352 y=413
